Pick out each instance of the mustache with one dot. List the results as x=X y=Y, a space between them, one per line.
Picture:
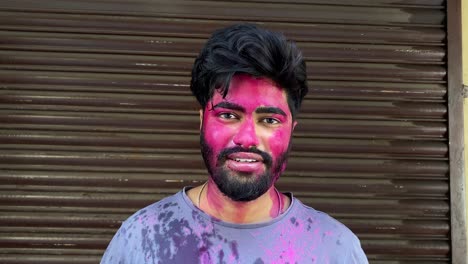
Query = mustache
x=222 y=157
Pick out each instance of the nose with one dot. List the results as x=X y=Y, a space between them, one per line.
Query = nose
x=246 y=137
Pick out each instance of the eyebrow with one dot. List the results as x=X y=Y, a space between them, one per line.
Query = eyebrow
x=229 y=105
x=260 y=110
x=270 y=110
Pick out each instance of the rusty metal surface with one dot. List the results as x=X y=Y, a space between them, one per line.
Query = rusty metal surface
x=181 y=66
x=115 y=26
x=178 y=85
x=97 y=119
x=380 y=15
x=180 y=47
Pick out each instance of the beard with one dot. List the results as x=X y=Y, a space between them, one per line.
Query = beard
x=239 y=186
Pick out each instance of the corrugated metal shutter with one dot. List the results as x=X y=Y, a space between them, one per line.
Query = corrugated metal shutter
x=97 y=120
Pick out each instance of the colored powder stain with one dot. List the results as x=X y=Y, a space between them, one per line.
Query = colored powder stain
x=183 y=244
x=315 y=241
x=326 y=234
x=180 y=235
x=156 y=228
x=186 y=231
x=147 y=244
x=203 y=230
x=204 y=258
x=217 y=248
x=189 y=250
x=310 y=222
x=206 y=241
x=233 y=246
x=289 y=255
x=231 y=259
x=197 y=218
x=297 y=223
x=249 y=93
x=221 y=256
x=293 y=232
x=286 y=247
x=165 y=216
x=259 y=261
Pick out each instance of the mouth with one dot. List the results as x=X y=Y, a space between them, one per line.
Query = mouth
x=245 y=162
x=245 y=157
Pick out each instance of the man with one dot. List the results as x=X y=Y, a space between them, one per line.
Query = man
x=250 y=83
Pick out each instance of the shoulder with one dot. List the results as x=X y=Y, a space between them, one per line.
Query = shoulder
x=318 y=217
x=132 y=242
x=333 y=233
x=158 y=211
x=323 y=223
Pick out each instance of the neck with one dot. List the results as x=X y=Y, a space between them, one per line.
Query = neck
x=216 y=204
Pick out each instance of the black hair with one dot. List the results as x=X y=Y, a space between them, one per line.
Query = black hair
x=249 y=49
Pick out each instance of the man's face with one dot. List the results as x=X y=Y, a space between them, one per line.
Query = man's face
x=245 y=137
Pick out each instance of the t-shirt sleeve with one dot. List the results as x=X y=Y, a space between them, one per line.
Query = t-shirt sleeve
x=356 y=254
x=116 y=252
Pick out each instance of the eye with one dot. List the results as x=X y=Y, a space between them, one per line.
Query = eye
x=270 y=121
x=227 y=116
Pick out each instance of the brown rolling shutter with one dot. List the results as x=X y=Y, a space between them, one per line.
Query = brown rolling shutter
x=97 y=119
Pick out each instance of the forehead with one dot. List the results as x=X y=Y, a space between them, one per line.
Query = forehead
x=253 y=92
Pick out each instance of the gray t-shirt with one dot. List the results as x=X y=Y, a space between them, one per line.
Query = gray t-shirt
x=173 y=230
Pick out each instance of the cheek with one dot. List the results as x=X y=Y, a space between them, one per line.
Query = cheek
x=279 y=141
x=216 y=135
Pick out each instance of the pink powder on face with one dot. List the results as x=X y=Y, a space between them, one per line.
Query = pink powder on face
x=247 y=127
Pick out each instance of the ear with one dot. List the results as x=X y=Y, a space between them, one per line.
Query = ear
x=294 y=125
x=201 y=118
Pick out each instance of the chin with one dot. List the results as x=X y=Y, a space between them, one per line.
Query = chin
x=242 y=187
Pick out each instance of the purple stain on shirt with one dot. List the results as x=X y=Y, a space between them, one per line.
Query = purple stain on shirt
x=147 y=244
x=259 y=261
x=174 y=245
x=221 y=257
x=293 y=220
x=233 y=246
x=165 y=216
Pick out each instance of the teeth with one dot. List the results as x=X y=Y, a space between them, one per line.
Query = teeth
x=245 y=160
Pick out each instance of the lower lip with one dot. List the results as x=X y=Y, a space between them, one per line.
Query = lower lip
x=247 y=167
